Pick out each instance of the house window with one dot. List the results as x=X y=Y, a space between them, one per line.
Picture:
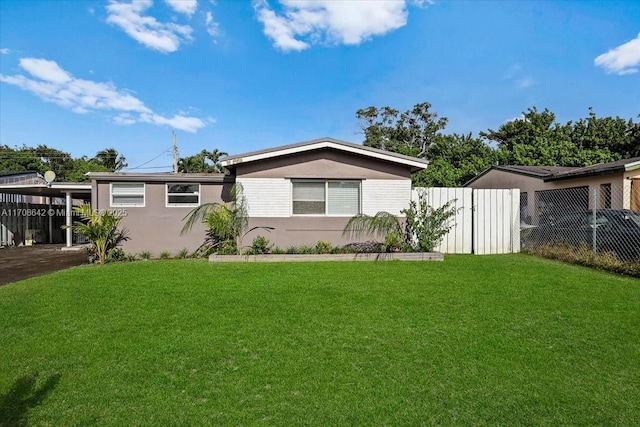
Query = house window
x=183 y=195
x=605 y=195
x=127 y=194
x=338 y=198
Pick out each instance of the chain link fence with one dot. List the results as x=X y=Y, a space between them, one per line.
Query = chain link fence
x=590 y=226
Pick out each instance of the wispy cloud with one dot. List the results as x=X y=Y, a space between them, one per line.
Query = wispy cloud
x=48 y=81
x=188 y=7
x=301 y=24
x=517 y=75
x=525 y=82
x=621 y=60
x=212 y=26
x=160 y=36
x=4 y=51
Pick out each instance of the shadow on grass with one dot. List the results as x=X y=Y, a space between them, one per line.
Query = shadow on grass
x=24 y=395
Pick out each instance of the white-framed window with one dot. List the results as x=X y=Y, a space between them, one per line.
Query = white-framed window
x=319 y=197
x=127 y=194
x=183 y=194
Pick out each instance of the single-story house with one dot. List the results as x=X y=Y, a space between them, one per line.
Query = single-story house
x=306 y=192
x=614 y=185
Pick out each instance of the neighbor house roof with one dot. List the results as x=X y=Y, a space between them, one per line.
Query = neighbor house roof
x=53 y=189
x=557 y=173
x=14 y=173
x=322 y=143
x=599 y=169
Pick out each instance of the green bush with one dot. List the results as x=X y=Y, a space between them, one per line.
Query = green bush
x=324 y=247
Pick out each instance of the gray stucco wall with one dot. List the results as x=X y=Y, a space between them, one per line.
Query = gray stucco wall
x=155 y=227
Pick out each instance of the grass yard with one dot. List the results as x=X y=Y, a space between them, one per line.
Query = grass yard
x=475 y=340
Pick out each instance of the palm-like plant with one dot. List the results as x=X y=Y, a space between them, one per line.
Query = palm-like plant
x=226 y=224
x=422 y=229
x=100 y=229
x=384 y=225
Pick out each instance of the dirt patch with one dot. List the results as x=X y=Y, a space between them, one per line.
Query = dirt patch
x=18 y=263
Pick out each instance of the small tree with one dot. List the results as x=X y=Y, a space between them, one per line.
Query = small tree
x=426 y=225
x=422 y=230
x=100 y=229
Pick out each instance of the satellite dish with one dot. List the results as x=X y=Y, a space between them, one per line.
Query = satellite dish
x=49 y=176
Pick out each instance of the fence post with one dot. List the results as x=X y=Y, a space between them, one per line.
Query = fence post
x=594 y=226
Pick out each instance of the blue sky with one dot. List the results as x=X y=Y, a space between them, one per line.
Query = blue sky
x=82 y=76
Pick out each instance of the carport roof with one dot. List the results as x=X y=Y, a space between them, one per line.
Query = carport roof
x=78 y=190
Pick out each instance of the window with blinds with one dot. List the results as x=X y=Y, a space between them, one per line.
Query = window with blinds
x=127 y=194
x=337 y=198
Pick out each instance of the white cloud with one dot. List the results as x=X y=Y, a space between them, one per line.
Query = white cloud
x=4 y=51
x=51 y=83
x=188 y=7
x=212 y=26
x=302 y=23
x=163 y=37
x=621 y=60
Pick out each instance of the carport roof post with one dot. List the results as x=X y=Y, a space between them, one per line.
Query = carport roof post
x=68 y=214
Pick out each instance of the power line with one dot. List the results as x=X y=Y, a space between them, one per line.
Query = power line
x=147 y=162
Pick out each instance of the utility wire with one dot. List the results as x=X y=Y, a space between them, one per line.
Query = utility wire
x=147 y=162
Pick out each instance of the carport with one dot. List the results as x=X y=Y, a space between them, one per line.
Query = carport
x=69 y=191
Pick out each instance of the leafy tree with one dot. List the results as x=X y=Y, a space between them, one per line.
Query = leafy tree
x=203 y=162
x=110 y=159
x=410 y=132
x=80 y=168
x=537 y=139
x=43 y=158
x=102 y=230
x=454 y=160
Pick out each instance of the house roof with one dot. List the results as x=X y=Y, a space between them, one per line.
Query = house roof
x=158 y=177
x=598 y=169
x=14 y=173
x=557 y=173
x=321 y=143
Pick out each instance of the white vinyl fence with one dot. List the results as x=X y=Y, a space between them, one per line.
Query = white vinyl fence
x=485 y=222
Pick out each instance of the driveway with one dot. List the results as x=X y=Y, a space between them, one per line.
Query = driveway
x=17 y=263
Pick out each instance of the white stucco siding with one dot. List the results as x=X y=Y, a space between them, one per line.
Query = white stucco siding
x=267 y=197
x=389 y=195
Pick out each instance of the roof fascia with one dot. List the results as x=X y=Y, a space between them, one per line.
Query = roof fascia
x=235 y=160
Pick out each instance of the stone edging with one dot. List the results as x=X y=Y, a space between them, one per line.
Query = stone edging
x=394 y=256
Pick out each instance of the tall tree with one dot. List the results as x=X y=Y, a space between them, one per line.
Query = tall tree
x=111 y=159
x=537 y=139
x=43 y=158
x=203 y=162
x=410 y=132
x=454 y=160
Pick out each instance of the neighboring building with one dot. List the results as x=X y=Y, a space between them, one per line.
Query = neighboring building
x=306 y=192
x=34 y=210
x=615 y=185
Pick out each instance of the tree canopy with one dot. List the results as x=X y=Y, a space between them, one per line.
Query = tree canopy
x=43 y=158
x=535 y=139
x=203 y=162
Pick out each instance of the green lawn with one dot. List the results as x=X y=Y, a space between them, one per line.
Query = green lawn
x=489 y=340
